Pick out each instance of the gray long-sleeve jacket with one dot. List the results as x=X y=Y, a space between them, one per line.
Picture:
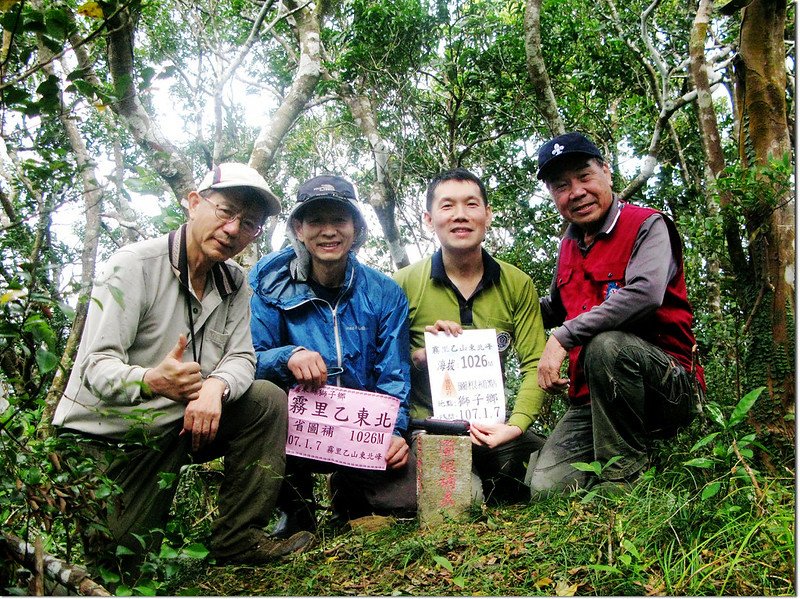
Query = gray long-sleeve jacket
x=137 y=312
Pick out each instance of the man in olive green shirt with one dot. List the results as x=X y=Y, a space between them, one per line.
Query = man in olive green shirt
x=462 y=287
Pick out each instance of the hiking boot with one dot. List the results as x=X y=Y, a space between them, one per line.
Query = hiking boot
x=293 y=521
x=268 y=549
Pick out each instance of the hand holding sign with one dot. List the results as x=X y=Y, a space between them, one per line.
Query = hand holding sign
x=465 y=376
x=345 y=426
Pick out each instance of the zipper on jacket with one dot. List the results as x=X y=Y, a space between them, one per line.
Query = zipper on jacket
x=337 y=337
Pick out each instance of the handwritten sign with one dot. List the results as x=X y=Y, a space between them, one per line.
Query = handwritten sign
x=341 y=425
x=465 y=376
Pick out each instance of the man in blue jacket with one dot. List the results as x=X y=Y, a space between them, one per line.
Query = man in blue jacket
x=321 y=317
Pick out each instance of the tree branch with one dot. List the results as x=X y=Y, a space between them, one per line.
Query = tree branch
x=537 y=70
x=307 y=27
x=162 y=154
x=75 y=578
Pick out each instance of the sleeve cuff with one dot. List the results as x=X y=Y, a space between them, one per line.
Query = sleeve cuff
x=520 y=420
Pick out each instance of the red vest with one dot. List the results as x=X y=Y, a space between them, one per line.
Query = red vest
x=586 y=281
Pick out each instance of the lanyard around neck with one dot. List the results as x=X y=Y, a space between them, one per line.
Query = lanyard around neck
x=188 y=296
x=195 y=353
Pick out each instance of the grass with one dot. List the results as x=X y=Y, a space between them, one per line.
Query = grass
x=660 y=538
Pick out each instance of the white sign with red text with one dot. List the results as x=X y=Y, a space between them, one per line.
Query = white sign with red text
x=340 y=425
x=466 y=377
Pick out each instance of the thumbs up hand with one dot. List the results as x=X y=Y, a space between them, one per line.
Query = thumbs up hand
x=177 y=352
x=173 y=378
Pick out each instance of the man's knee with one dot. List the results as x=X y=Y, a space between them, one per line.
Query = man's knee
x=270 y=401
x=603 y=349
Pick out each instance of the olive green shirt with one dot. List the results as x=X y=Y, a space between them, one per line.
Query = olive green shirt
x=505 y=300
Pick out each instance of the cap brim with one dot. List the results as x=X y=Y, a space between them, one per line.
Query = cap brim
x=307 y=204
x=268 y=199
x=554 y=162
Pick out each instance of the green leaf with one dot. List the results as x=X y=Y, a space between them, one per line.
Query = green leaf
x=743 y=407
x=459 y=581
x=704 y=441
x=122 y=550
x=584 y=467
x=57 y=23
x=443 y=562
x=15 y=95
x=146 y=590
x=628 y=544
x=41 y=330
x=108 y=575
x=166 y=479
x=168 y=552
x=147 y=74
x=123 y=590
x=700 y=463
x=118 y=295
x=46 y=360
x=137 y=184
x=603 y=568
x=195 y=550
x=715 y=414
x=103 y=491
x=67 y=310
x=710 y=490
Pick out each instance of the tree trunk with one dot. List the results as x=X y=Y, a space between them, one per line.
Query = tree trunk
x=712 y=146
x=764 y=135
x=75 y=578
x=306 y=23
x=162 y=154
x=382 y=197
x=92 y=200
x=537 y=70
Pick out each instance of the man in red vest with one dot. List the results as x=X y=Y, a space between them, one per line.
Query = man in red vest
x=618 y=308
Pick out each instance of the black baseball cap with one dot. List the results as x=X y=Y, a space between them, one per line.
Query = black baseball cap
x=567 y=144
x=328 y=188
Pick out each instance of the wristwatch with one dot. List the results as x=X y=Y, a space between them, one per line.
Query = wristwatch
x=227 y=392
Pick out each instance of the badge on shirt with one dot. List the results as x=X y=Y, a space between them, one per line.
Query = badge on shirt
x=610 y=289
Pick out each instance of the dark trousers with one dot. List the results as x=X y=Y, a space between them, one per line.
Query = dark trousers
x=355 y=492
x=500 y=470
x=638 y=392
x=251 y=438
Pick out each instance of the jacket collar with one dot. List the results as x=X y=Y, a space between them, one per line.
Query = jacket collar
x=220 y=272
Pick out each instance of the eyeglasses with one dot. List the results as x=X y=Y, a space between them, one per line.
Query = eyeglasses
x=248 y=226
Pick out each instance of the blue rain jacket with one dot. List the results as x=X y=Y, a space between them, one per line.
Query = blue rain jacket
x=365 y=333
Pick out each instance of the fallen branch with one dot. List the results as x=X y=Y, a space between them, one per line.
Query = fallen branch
x=75 y=578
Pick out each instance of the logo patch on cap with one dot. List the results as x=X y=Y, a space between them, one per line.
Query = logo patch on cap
x=327 y=187
x=557 y=149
